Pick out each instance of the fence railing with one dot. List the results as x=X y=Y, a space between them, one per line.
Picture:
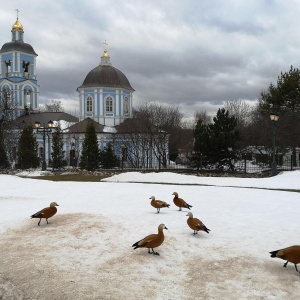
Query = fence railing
x=244 y=165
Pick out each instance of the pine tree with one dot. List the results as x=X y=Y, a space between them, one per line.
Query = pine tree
x=28 y=146
x=90 y=155
x=201 y=144
x=223 y=138
x=4 y=164
x=285 y=97
x=58 y=155
x=108 y=159
x=216 y=143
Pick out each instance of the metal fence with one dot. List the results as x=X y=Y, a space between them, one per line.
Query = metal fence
x=257 y=164
x=247 y=164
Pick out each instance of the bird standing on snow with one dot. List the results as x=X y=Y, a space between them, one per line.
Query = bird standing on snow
x=46 y=213
x=180 y=202
x=158 y=204
x=196 y=224
x=152 y=241
x=290 y=254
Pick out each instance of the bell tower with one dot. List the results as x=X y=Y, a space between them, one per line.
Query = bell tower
x=18 y=79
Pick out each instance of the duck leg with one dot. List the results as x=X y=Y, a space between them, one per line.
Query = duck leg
x=39 y=221
x=158 y=209
x=155 y=253
x=286 y=264
x=296 y=268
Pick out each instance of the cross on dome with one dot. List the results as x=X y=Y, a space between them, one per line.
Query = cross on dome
x=17 y=26
x=105 y=54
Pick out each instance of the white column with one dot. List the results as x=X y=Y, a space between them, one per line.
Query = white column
x=34 y=66
x=18 y=63
x=117 y=103
x=101 y=113
x=82 y=113
x=95 y=110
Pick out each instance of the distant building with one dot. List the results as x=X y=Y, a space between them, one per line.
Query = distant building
x=105 y=95
x=105 y=98
x=18 y=77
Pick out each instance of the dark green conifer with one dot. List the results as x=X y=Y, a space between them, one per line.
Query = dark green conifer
x=90 y=155
x=108 y=159
x=28 y=149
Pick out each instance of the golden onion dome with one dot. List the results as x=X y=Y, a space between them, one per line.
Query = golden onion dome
x=17 y=26
x=105 y=54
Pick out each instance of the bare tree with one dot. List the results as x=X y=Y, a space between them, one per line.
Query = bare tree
x=163 y=124
x=135 y=143
x=202 y=115
x=8 y=112
x=241 y=110
x=54 y=106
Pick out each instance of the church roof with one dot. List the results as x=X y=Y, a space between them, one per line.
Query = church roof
x=106 y=76
x=132 y=125
x=44 y=118
x=17 y=46
x=80 y=127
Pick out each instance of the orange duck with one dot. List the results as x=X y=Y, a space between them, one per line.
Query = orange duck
x=152 y=241
x=180 y=202
x=158 y=204
x=46 y=213
x=196 y=224
x=290 y=254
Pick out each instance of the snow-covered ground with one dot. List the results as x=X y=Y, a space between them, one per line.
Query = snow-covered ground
x=85 y=252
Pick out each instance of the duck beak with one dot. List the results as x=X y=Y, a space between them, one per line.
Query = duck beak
x=166 y=228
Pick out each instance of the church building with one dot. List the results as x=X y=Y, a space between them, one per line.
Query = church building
x=105 y=95
x=105 y=99
x=18 y=77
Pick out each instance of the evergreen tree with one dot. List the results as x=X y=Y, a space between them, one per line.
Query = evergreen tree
x=4 y=164
x=223 y=138
x=28 y=149
x=90 y=155
x=201 y=144
x=285 y=97
x=108 y=158
x=58 y=155
x=216 y=143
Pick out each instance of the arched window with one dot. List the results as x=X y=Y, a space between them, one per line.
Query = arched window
x=89 y=104
x=109 y=104
x=126 y=105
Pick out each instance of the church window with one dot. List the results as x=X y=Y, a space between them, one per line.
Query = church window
x=126 y=106
x=7 y=68
x=109 y=104
x=26 y=68
x=89 y=104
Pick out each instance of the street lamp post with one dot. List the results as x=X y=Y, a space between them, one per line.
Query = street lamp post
x=44 y=131
x=274 y=118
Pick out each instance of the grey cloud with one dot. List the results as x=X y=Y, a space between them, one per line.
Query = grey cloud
x=196 y=54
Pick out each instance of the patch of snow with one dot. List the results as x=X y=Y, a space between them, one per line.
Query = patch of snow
x=85 y=252
x=109 y=129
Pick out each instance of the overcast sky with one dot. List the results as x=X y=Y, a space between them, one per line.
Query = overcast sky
x=197 y=54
